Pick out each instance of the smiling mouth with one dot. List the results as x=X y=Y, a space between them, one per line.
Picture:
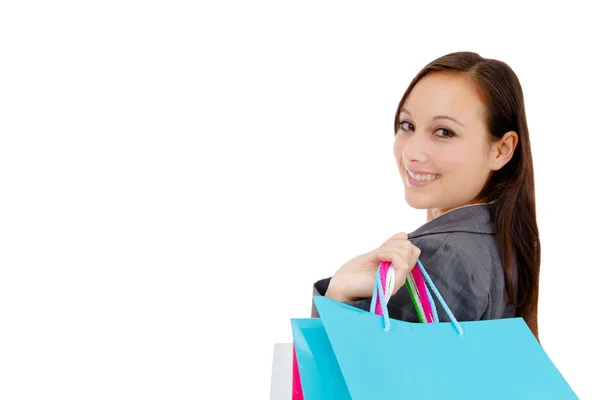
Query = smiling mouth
x=420 y=179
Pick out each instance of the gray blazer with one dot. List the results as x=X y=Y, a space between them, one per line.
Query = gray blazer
x=460 y=253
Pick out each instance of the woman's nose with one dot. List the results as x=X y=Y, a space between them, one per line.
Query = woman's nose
x=415 y=149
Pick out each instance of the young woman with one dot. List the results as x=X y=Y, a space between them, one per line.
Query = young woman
x=462 y=149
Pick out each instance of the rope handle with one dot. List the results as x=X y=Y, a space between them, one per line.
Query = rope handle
x=381 y=296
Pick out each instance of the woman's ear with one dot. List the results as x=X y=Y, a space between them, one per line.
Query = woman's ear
x=502 y=150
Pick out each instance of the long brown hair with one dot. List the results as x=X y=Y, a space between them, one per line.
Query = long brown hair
x=512 y=187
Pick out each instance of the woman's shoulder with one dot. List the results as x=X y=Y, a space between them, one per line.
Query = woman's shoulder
x=473 y=253
x=460 y=252
x=463 y=243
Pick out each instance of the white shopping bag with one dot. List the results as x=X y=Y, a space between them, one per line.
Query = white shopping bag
x=281 y=374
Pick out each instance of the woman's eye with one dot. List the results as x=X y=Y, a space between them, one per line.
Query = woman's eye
x=406 y=126
x=445 y=133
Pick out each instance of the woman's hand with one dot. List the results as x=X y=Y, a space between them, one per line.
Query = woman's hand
x=355 y=279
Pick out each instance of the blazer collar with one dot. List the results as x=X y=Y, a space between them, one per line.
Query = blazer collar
x=473 y=218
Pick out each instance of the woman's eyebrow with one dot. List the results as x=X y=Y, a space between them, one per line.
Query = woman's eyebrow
x=447 y=117
x=437 y=117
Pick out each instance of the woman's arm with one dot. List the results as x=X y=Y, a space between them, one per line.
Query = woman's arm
x=449 y=264
x=320 y=288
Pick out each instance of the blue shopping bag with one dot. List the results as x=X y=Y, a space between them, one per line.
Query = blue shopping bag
x=349 y=353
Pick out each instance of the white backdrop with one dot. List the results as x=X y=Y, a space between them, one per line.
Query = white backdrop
x=176 y=176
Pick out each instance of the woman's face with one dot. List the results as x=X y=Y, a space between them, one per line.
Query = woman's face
x=442 y=147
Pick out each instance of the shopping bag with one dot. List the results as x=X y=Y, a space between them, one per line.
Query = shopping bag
x=351 y=353
x=327 y=364
x=281 y=371
x=319 y=371
x=421 y=299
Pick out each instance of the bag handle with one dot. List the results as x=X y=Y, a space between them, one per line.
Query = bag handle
x=378 y=301
x=379 y=296
x=421 y=297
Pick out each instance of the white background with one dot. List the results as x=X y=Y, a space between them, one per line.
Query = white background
x=175 y=176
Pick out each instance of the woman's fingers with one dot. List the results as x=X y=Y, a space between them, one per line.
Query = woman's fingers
x=403 y=255
x=404 y=247
x=400 y=259
x=400 y=235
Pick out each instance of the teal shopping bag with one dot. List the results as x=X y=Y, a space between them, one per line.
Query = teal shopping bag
x=319 y=371
x=353 y=354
